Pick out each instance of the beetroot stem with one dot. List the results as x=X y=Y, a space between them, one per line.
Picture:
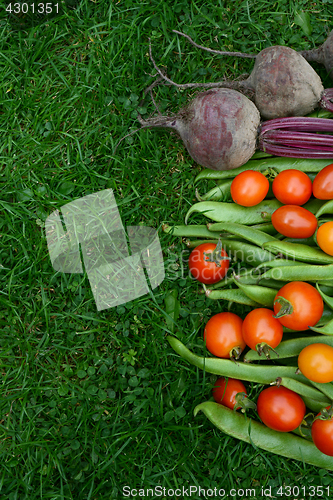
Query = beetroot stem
x=292 y=138
x=273 y=149
x=299 y=137
x=299 y=123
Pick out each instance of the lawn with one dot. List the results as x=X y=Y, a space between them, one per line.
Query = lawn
x=95 y=404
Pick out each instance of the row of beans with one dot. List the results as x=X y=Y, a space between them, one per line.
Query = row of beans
x=271 y=263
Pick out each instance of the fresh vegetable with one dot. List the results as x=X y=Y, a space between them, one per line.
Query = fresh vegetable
x=209 y=263
x=249 y=188
x=323 y=184
x=324 y=237
x=223 y=335
x=283 y=82
x=301 y=252
x=298 y=305
x=322 y=55
x=322 y=431
x=290 y=348
x=303 y=390
x=231 y=295
x=280 y=408
x=263 y=295
x=292 y=187
x=260 y=374
x=261 y=331
x=265 y=165
x=248 y=430
x=225 y=392
x=219 y=129
x=294 y=221
x=316 y=362
x=226 y=212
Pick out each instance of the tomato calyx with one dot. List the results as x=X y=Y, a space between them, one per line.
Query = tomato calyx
x=244 y=403
x=305 y=426
x=235 y=353
x=263 y=348
x=270 y=173
x=215 y=256
x=286 y=307
x=325 y=414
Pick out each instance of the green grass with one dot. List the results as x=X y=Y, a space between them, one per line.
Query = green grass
x=93 y=401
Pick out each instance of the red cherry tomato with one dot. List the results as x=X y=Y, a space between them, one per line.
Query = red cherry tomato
x=292 y=187
x=280 y=408
x=306 y=302
x=249 y=188
x=325 y=237
x=323 y=184
x=322 y=434
x=203 y=269
x=225 y=390
x=316 y=362
x=259 y=327
x=294 y=221
x=223 y=335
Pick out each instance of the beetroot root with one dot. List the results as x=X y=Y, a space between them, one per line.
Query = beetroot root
x=282 y=81
x=285 y=84
x=219 y=128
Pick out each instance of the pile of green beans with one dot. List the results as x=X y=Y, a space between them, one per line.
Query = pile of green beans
x=268 y=262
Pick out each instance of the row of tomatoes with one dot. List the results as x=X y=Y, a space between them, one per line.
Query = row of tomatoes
x=293 y=188
x=279 y=408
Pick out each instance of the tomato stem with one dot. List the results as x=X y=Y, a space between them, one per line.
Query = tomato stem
x=325 y=414
x=286 y=307
x=235 y=352
x=215 y=256
x=244 y=402
x=263 y=348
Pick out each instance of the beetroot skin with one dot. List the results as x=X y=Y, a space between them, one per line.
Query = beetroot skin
x=219 y=128
x=285 y=84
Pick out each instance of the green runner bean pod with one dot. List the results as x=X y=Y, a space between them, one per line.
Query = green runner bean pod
x=276 y=163
x=304 y=241
x=232 y=295
x=326 y=298
x=290 y=348
x=300 y=273
x=314 y=405
x=248 y=276
x=217 y=193
x=327 y=208
x=220 y=211
x=195 y=231
x=248 y=233
x=196 y=243
x=246 y=429
x=304 y=390
x=262 y=374
x=326 y=389
x=298 y=251
x=326 y=329
x=265 y=227
x=261 y=294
